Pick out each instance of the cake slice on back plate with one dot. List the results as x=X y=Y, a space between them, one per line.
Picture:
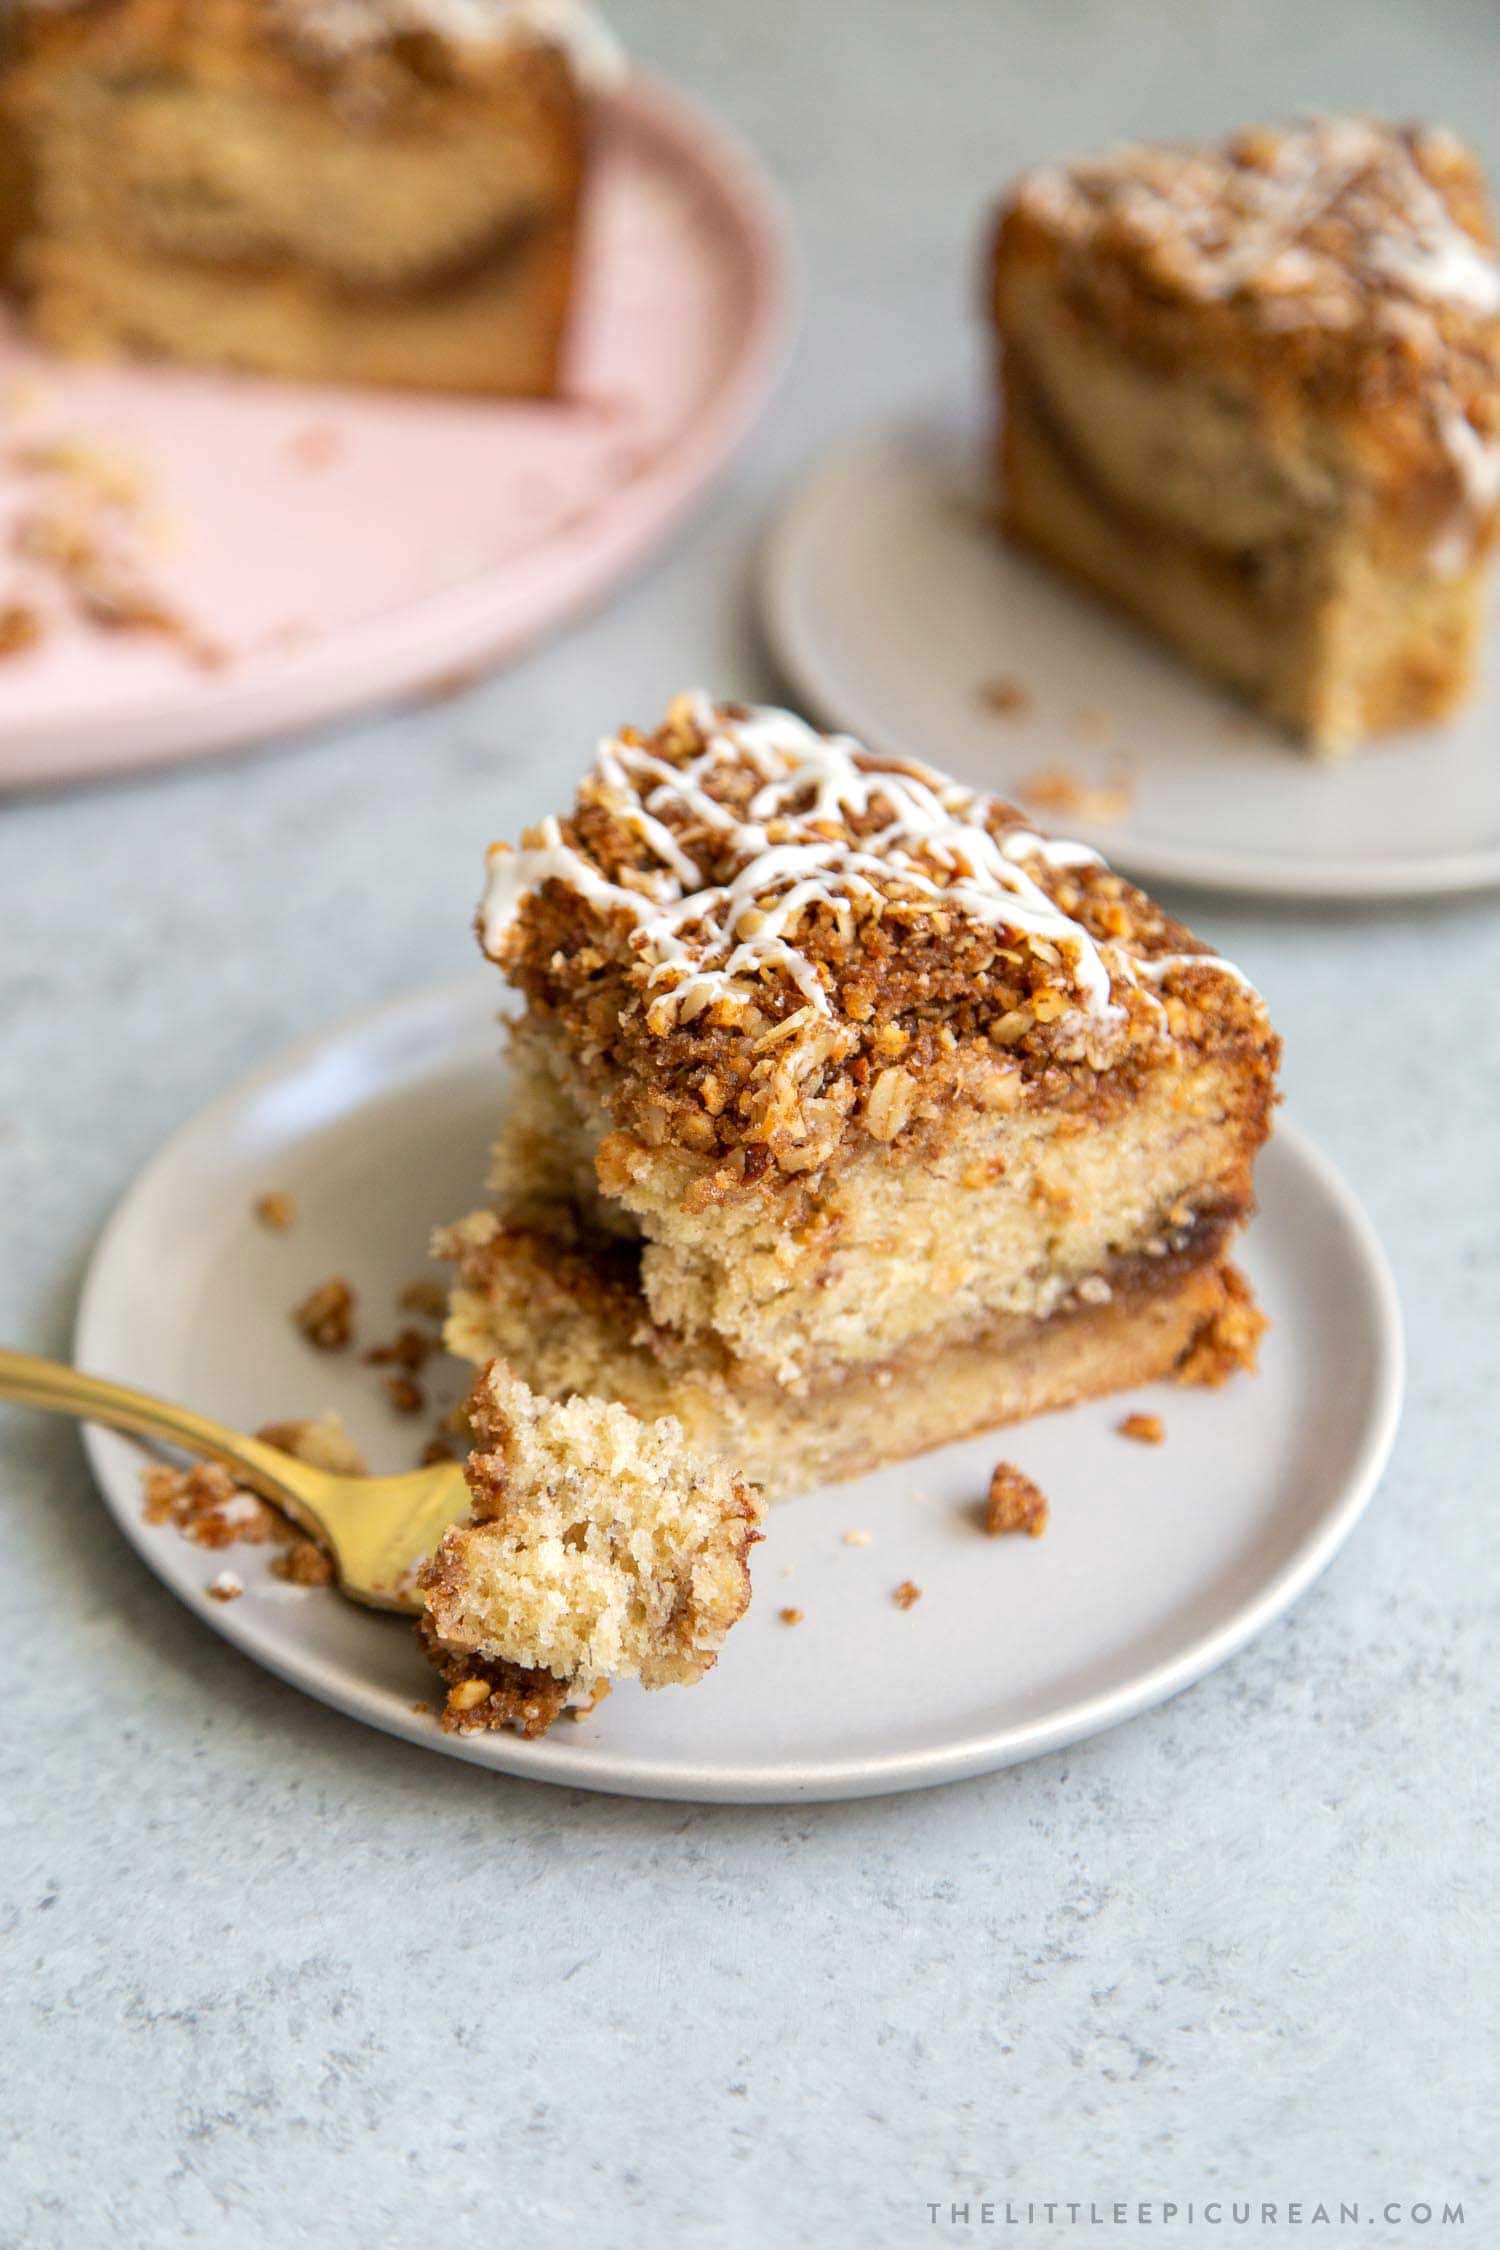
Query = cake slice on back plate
x=348 y=191
x=849 y=1115
x=1250 y=393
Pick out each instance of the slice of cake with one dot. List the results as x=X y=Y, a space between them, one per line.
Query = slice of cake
x=848 y=1114
x=351 y=191
x=1251 y=394
x=600 y=1548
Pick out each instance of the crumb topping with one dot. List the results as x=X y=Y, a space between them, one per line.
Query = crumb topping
x=1015 y=1503
x=326 y=1315
x=752 y=919
x=1360 y=252
x=1146 y=1429
x=907 y=1594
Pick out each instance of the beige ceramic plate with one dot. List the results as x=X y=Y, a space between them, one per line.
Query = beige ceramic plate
x=1159 y=1562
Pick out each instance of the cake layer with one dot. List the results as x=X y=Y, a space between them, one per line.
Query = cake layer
x=1330 y=644
x=599 y=1546
x=501 y=331
x=570 y=1318
x=1012 y=1205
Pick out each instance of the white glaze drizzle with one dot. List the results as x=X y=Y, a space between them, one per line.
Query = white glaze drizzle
x=1221 y=228
x=705 y=942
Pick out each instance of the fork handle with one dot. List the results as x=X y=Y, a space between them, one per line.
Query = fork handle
x=59 y=1389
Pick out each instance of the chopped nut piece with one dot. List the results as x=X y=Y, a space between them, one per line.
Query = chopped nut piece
x=276 y=1211
x=906 y=1594
x=467 y=1695
x=326 y=1318
x=1146 y=1429
x=790 y=1616
x=405 y=1394
x=225 y=1588
x=1015 y=1503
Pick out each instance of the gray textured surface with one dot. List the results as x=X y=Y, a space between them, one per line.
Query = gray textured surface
x=274 y=1980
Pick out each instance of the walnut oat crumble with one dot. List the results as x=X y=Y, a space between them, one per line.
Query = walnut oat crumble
x=1015 y=1503
x=326 y=1316
x=1146 y=1429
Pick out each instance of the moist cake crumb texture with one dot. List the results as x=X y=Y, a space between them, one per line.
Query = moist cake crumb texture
x=599 y=1547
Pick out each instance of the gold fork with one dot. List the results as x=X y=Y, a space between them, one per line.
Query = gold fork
x=377 y=1529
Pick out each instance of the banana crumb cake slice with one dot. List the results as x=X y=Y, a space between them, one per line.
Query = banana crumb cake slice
x=599 y=1547
x=1251 y=393
x=849 y=1114
x=347 y=191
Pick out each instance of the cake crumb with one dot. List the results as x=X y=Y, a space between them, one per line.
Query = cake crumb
x=426 y=1297
x=405 y=1394
x=302 y=1562
x=1006 y=696
x=206 y=1506
x=1230 y=1341
x=1056 y=790
x=906 y=1594
x=410 y=1348
x=225 y=1588
x=1015 y=1503
x=1146 y=1429
x=326 y=1317
x=856 y=1538
x=790 y=1616
x=422 y=1709
x=601 y=1689
x=21 y=628
x=276 y=1211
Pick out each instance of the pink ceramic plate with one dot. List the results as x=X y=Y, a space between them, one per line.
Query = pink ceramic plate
x=324 y=549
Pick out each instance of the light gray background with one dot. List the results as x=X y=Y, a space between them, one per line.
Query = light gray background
x=275 y=1980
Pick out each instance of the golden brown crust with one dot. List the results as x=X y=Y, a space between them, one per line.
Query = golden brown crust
x=1339 y=272
x=921 y=1013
